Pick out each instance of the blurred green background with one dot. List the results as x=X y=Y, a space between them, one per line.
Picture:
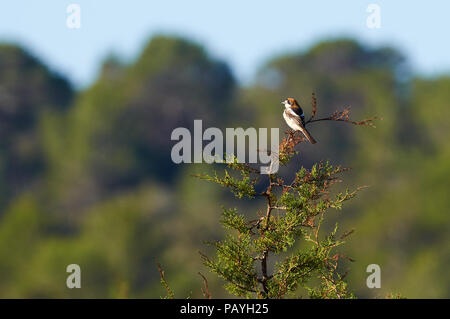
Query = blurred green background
x=86 y=176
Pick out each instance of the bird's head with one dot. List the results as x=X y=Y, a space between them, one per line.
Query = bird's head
x=289 y=102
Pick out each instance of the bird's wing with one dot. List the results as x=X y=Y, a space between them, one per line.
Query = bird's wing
x=298 y=120
x=298 y=110
x=291 y=115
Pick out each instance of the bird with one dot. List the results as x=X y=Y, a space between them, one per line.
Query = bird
x=295 y=118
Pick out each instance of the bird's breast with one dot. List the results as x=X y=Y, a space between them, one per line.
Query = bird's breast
x=290 y=120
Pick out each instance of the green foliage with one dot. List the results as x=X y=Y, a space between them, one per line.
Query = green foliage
x=239 y=186
x=235 y=264
x=303 y=204
x=231 y=220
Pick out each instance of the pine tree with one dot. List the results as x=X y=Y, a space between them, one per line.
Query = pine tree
x=294 y=213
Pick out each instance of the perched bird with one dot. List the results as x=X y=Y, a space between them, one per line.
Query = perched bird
x=295 y=118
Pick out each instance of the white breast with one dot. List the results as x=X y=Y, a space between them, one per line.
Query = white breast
x=292 y=123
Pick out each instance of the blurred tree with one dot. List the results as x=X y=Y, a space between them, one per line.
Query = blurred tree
x=404 y=227
x=119 y=131
x=27 y=90
x=116 y=247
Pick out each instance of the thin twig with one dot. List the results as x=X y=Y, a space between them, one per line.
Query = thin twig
x=170 y=293
x=205 y=291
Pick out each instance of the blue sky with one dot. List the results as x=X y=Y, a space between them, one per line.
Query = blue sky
x=244 y=33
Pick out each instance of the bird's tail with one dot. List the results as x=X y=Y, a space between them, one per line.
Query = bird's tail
x=308 y=136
